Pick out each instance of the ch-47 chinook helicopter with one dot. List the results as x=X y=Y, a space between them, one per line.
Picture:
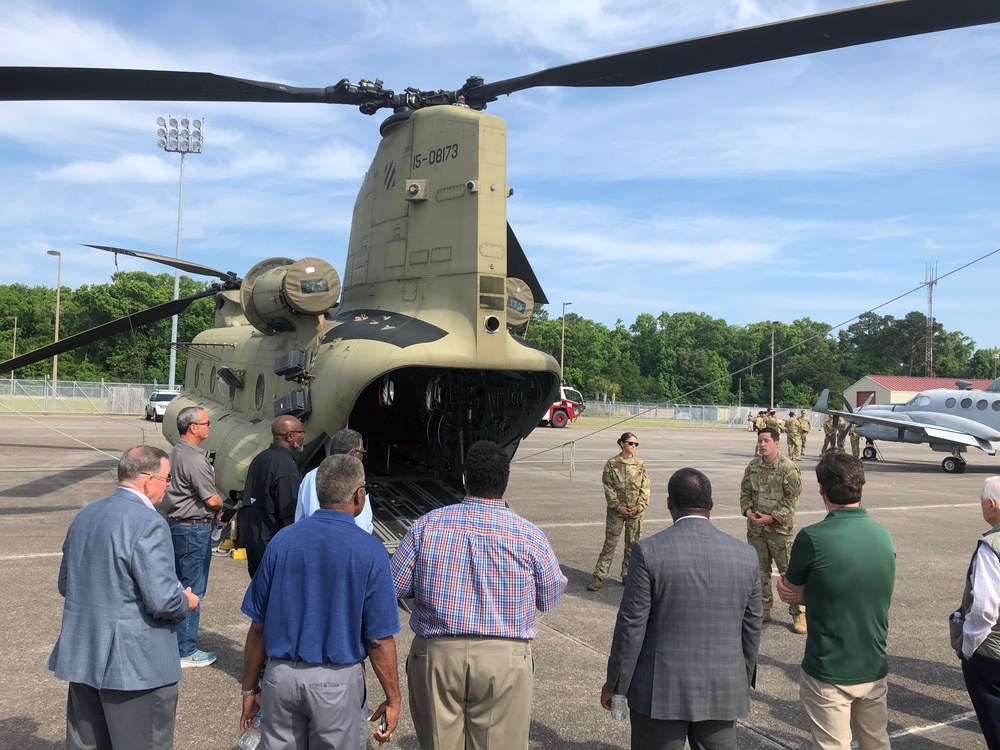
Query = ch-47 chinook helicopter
x=415 y=353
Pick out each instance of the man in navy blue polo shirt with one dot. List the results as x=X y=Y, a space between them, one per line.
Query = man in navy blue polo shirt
x=321 y=601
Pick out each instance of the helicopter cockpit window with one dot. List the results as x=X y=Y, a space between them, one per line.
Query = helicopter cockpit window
x=314 y=286
x=919 y=400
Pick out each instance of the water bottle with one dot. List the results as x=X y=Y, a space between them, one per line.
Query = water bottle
x=251 y=738
x=618 y=707
x=217 y=531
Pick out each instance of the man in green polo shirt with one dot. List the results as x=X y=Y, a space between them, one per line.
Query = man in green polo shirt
x=843 y=569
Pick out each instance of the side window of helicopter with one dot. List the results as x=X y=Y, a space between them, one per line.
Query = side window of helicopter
x=950 y=402
x=966 y=403
x=258 y=395
x=197 y=377
x=211 y=380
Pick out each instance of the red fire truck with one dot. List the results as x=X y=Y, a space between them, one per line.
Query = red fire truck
x=566 y=409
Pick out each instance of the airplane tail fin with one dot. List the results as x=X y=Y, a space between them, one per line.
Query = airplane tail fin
x=821 y=404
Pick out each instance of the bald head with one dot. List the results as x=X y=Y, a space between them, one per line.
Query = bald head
x=287 y=431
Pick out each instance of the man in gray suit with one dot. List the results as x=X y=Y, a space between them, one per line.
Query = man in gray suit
x=118 y=645
x=685 y=644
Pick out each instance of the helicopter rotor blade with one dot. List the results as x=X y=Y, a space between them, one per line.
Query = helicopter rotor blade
x=105 y=330
x=183 y=265
x=798 y=36
x=105 y=84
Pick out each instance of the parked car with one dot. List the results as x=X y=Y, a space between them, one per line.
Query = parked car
x=157 y=404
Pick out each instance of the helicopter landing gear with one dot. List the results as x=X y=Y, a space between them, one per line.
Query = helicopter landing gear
x=869 y=453
x=954 y=465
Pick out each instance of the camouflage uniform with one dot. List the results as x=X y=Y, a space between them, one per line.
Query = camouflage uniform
x=855 y=441
x=794 y=442
x=773 y=489
x=759 y=424
x=626 y=483
x=829 y=435
x=805 y=425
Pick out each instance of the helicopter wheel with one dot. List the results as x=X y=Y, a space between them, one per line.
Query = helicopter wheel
x=869 y=453
x=953 y=465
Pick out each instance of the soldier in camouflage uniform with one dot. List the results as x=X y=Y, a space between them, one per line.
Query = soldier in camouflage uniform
x=626 y=490
x=794 y=442
x=769 y=493
x=829 y=435
x=852 y=433
x=805 y=425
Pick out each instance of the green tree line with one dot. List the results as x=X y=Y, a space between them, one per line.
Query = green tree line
x=142 y=355
x=685 y=356
x=696 y=358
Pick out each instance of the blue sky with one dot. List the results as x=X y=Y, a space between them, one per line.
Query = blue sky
x=816 y=187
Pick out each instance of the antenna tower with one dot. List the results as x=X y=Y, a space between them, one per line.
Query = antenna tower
x=930 y=279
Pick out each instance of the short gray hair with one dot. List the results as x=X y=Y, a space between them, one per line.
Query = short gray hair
x=143 y=459
x=337 y=479
x=345 y=441
x=187 y=417
x=991 y=489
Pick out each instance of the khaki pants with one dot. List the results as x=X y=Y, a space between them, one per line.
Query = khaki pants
x=834 y=712
x=470 y=692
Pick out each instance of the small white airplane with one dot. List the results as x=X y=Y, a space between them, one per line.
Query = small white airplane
x=951 y=421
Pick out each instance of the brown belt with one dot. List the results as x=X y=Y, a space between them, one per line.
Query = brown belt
x=189 y=521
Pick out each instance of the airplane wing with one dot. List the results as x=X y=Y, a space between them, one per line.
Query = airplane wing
x=921 y=432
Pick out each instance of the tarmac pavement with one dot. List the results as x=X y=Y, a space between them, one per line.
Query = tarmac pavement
x=50 y=467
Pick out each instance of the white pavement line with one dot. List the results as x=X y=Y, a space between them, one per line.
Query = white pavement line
x=66 y=434
x=958 y=719
x=798 y=514
x=4 y=558
x=768 y=738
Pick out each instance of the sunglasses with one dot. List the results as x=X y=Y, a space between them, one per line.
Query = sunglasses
x=359 y=454
x=205 y=423
x=633 y=443
x=165 y=479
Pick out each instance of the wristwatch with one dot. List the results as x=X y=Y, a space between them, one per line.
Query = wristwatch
x=253 y=691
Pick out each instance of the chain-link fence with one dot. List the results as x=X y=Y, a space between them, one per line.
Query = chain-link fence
x=682 y=415
x=72 y=397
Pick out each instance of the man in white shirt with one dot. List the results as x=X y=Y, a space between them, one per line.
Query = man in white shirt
x=346 y=442
x=981 y=612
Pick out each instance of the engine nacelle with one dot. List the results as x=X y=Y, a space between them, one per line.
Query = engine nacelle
x=278 y=292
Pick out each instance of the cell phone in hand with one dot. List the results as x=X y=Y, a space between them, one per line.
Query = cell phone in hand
x=383 y=723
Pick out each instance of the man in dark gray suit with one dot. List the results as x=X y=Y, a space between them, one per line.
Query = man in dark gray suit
x=685 y=644
x=118 y=645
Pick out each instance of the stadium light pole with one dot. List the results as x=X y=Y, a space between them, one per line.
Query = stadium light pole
x=562 y=343
x=181 y=141
x=772 y=360
x=55 y=357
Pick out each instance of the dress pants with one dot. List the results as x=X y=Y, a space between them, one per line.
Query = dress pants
x=120 y=719
x=982 y=680
x=470 y=692
x=663 y=734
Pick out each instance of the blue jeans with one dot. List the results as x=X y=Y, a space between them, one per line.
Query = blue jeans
x=192 y=556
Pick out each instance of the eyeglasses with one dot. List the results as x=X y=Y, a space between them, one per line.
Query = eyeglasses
x=633 y=443
x=358 y=453
x=165 y=480
x=296 y=432
x=206 y=423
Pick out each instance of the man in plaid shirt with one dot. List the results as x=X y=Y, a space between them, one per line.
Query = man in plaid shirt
x=476 y=572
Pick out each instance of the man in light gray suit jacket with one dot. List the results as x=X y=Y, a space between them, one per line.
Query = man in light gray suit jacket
x=118 y=644
x=685 y=644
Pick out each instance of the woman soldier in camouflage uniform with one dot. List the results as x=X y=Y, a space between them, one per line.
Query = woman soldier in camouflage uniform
x=626 y=489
